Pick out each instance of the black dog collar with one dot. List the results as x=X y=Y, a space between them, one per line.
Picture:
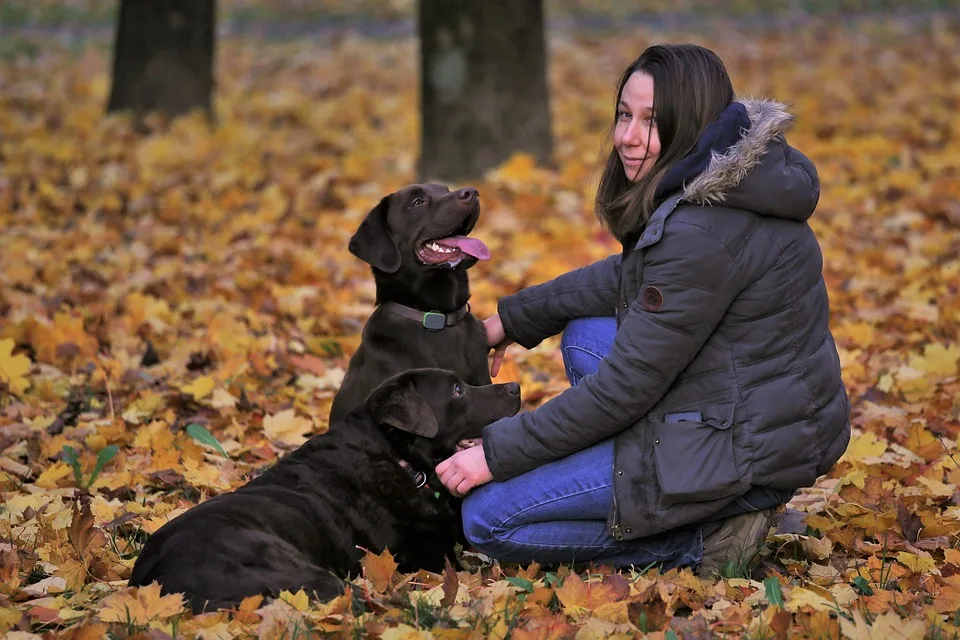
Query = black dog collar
x=431 y=320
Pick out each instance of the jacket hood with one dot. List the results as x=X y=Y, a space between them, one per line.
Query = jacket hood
x=760 y=172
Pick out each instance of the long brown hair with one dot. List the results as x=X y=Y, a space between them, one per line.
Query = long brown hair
x=691 y=87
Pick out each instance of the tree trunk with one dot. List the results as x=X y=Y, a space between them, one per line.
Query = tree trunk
x=483 y=86
x=163 y=56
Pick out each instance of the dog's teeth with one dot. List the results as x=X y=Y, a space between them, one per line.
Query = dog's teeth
x=435 y=246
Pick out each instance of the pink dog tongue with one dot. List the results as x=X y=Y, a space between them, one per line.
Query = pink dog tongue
x=470 y=246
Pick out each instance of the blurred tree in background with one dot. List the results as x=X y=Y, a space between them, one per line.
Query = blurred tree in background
x=483 y=78
x=483 y=86
x=163 y=56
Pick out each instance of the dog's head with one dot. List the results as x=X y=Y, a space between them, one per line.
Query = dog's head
x=426 y=412
x=421 y=227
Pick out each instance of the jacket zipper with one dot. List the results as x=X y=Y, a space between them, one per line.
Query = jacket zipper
x=617 y=533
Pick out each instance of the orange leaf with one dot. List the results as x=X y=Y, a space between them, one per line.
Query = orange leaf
x=379 y=569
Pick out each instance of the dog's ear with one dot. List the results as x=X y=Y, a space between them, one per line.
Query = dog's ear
x=397 y=403
x=372 y=242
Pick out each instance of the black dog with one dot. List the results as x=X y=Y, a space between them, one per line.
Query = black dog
x=416 y=242
x=362 y=484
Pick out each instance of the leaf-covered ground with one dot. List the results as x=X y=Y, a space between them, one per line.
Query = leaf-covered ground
x=177 y=309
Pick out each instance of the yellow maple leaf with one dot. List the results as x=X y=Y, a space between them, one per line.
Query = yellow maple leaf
x=53 y=474
x=287 y=428
x=404 y=632
x=886 y=626
x=860 y=333
x=13 y=368
x=864 y=445
x=65 y=340
x=937 y=359
x=917 y=563
x=798 y=598
x=203 y=474
x=952 y=556
x=200 y=388
x=299 y=600
x=140 y=605
x=9 y=616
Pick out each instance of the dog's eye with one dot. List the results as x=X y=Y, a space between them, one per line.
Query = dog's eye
x=417 y=202
x=457 y=390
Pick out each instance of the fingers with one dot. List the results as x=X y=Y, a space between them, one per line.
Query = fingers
x=497 y=361
x=453 y=481
x=452 y=477
x=463 y=488
x=444 y=467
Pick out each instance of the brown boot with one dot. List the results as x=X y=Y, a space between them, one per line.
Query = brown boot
x=733 y=540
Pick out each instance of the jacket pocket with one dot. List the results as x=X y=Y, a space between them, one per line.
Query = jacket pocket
x=695 y=460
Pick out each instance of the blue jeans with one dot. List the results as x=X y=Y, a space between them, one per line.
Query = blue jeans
x=557 y=513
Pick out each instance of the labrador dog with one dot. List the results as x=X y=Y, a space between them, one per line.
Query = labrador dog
x=305 y=522
x=417 y=243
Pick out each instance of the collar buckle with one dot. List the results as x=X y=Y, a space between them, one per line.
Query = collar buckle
x=420 y=480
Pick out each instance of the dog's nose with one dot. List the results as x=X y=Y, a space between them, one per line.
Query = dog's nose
x=468 y=193
x=513 y=388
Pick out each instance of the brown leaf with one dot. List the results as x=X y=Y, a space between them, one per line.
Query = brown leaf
x=910 y=523
x=693 y=628
x=310 y=363
x=648 y=616
x=617 y=585
x=140 y=606
x=89 y=631
x=84 y=538
x=451 y=583
x=550 y=628
x=781 y=623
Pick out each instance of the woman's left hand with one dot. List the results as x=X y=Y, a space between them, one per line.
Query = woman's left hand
x=464 y=470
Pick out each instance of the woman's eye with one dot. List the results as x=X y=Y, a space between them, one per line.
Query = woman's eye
x=457 y=391
x=622 y=115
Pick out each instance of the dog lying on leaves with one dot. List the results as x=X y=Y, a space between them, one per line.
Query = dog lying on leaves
x=362 y=484
x=417 y=243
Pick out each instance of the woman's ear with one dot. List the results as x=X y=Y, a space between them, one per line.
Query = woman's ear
x=372 y=242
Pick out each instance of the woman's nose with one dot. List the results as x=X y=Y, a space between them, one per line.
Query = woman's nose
x=634 y=134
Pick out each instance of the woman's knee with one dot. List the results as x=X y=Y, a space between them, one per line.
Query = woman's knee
x=479 y=514
x=584 y=343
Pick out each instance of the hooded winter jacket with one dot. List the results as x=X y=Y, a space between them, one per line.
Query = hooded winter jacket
x=723 y=374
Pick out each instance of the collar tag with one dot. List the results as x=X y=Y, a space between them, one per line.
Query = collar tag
x=434 y=321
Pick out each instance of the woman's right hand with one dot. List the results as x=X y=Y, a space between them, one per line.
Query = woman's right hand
x=496 y=339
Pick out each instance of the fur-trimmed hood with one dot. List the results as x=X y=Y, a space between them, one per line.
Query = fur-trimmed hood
x=760 y=172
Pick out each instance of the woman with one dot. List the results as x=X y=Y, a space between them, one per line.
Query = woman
x=705 y=382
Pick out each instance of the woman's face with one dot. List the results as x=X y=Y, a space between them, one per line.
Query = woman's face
x=635 y=136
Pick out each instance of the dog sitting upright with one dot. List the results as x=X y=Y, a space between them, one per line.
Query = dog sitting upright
x=416 y=241
x=361 y=485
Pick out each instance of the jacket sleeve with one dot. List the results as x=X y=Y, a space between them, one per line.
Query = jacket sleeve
x=694 y=275
x=538 y=312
